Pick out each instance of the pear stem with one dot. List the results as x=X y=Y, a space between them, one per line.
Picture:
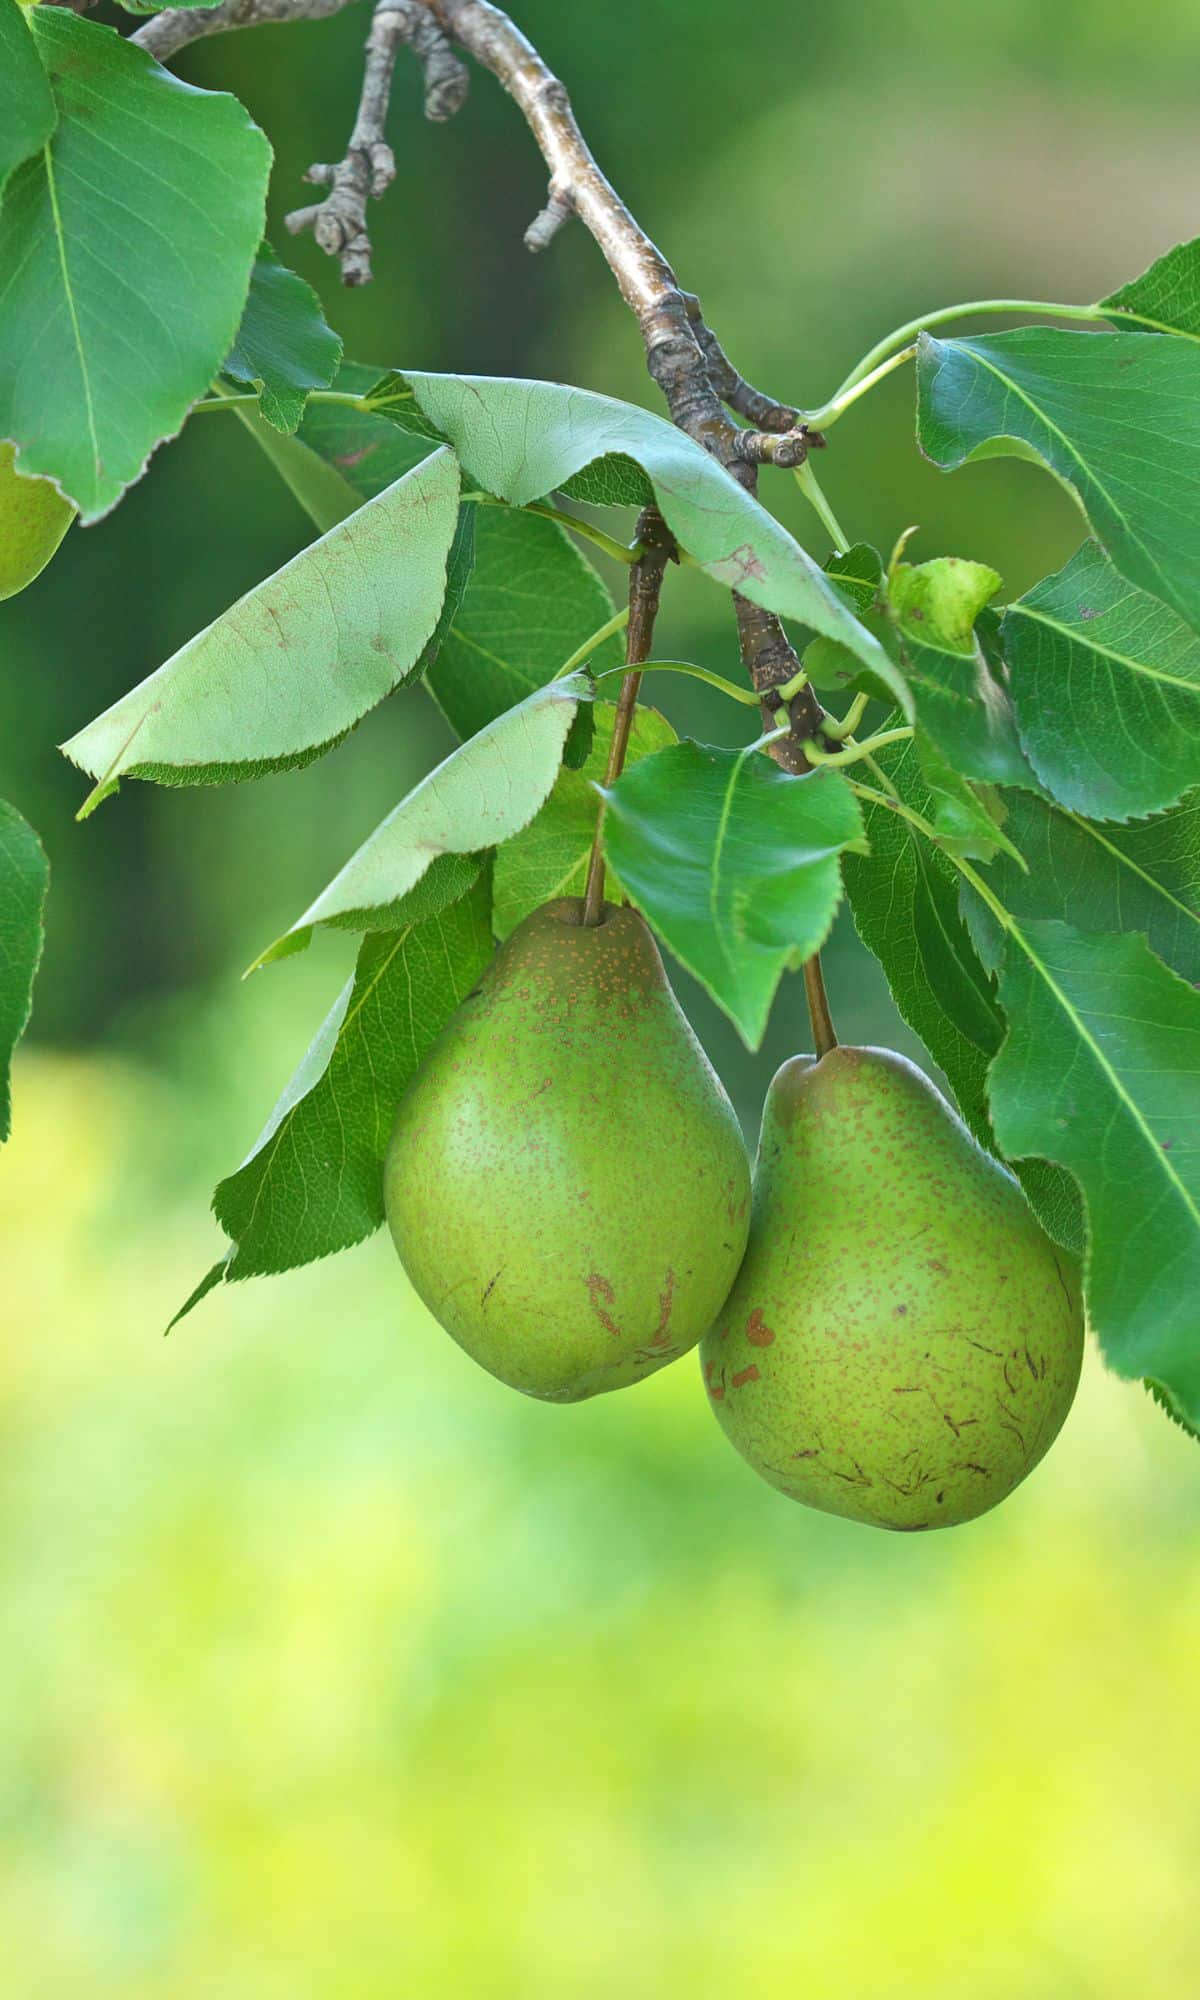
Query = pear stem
x=824 y=1038
x=645 y=588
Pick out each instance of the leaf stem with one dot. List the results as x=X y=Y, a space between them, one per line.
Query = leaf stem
x=837 y=731
x=806 y=480
x=855 y=752
x=616 y=623
x=820 y=420
x=645 y=589
x=229 y=402
x=619 y=551
x=901 y=336
x=892 y=800
x=705 y=674
x=824 y=1037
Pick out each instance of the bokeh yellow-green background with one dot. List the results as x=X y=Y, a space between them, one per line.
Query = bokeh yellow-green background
x=331 y=1670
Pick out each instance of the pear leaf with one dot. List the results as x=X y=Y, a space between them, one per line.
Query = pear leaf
x=1165 y=298
x=126 y=246
x=24 y=876
x=903 y=897
x=313 y=1182
x=1100 y=1071
x=522 y=440
x=300 y=659
x=1105 y=684
x=28 y=113
x=549 y=858
x=1115 y=416
x=283 y=347
x=479 y=796
x=1144 y=876
x=735 y=863
x=34 y=517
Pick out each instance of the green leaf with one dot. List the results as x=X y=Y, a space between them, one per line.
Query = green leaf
x=1105 y=682
x=160 y=6
x=479 y=796
x=904 y=899
x=24 y=875
x=1166 y=297
x=322 y=491
x=522 y=440
x=1139 y=877
x=615 y=481
x=969 y=820
x=1116 y=416
x=961 y=709
x=125 y=253
x=735 y=863
x=313 y=1183
x=296 y=662
x=283 y=347
x=34 y=517
x=549 y=858
x=1100 y=1071
x=370 y=452
x=532 y=600
x=28 y=113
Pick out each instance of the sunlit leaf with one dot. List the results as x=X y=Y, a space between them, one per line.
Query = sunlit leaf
x=480 y=795
x=735 y=863
x=125 y=254
x=522 y=440
x=1105 y=682
x=297 y=661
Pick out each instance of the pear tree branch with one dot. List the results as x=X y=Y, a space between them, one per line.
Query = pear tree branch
x=683 y=356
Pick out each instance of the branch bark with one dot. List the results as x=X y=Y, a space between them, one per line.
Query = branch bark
x=682 y=355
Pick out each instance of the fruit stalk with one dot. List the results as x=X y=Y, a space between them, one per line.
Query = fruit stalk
x=824 y=1037
x=645 y=589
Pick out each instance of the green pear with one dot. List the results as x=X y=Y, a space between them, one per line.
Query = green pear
x=567 y=1184
x=903 y=1341
x=34 y=517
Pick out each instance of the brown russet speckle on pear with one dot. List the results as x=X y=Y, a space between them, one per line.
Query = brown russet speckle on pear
x=903 y=1341
x=567 y=1184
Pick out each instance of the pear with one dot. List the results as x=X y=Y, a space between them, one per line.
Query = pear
x=567 y=1184
x=903 y=1341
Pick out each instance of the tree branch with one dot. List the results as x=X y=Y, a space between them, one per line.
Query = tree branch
x=339 y=222
x=681 y=355
x=165 y=34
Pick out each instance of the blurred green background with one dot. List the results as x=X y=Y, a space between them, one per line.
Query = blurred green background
x=332 y=1668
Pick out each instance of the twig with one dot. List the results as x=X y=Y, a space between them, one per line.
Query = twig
x=732 y=388
x=165 y=34
x=339 y=222
x=678 y=360
x=645 y=588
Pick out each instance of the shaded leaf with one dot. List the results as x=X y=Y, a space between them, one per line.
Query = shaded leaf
x=24 y=875
x=125 y=253
x=904 y=899
x=1137 y=877
x=370 y=452
x=531 y=601
x=549 y=858
x=313 y=1183
x=283 y=347
x=1115 y=415
x=28 y=113
x=735 y=863
x=521 y=440
x=298 y=660
x=1105 y=682
x=480 y=795
x=1100 y=1071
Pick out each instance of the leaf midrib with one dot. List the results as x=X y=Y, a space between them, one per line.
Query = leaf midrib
x=1074 y=636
